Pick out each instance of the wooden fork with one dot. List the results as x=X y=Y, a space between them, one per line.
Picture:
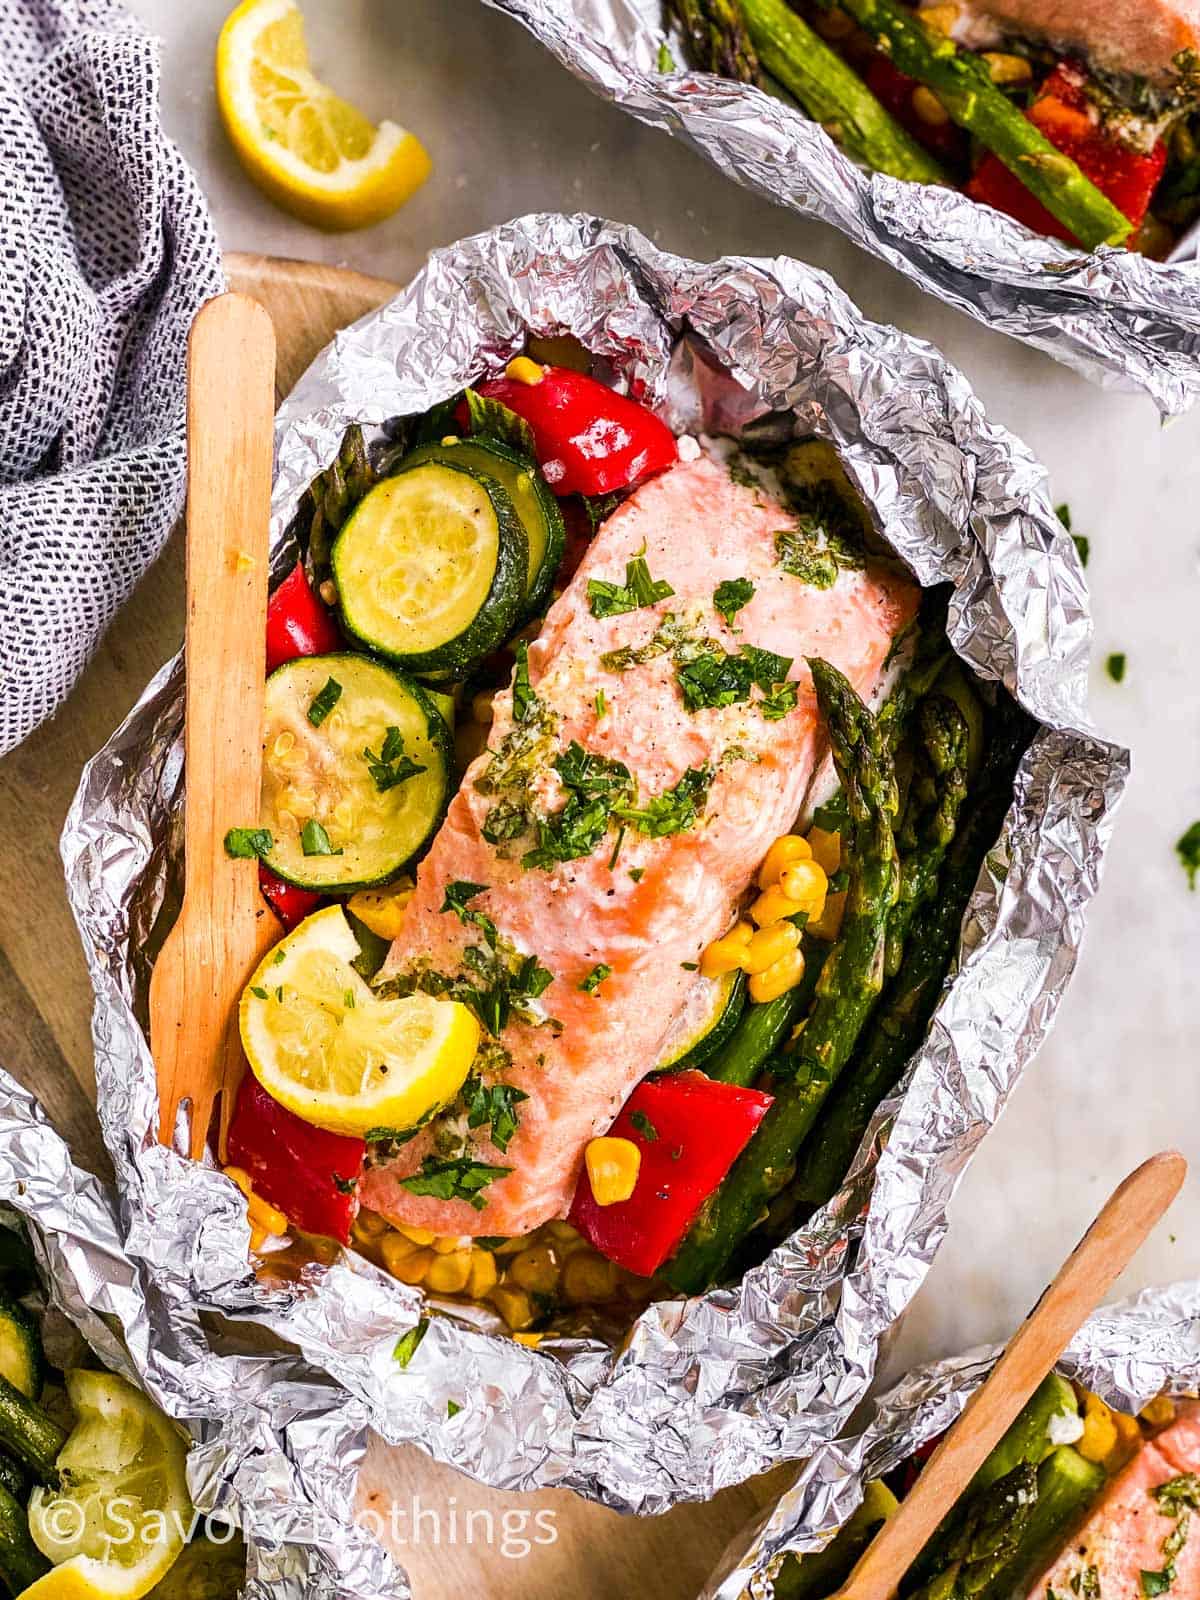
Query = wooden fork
x=224 y=926
x=1082 y=1282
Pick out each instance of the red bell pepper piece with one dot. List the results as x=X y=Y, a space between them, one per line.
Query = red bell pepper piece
x=894 y=89
x=1068 y=119
x=297 y=623
x=690 y=1130
x=589 y=439
x=290 y=905
x=312 y=1176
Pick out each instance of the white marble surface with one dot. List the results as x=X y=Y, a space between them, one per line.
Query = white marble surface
x=510 y=132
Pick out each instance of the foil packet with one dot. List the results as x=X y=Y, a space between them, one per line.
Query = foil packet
x=1117 y=317
x=248 y=1414
x=1127 y=1354
x=709 y=1391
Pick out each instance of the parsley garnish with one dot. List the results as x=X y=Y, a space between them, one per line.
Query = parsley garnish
x=675 y=809
x=260 y=993
x=600 y=507
x=314 y=841
x=644 y=1126
x=666 y=61
x=1080 y=540
x=1176 y=1498
x=729 y=597
x=637 y=873
x=458 y=894
x=324 y=701
x=639 y=589
x=596 y=977
x=459 y=1179
x=1156 y=1583
x=244 y=844
x=408 y=1343
x=601 y=704
x=494 y=1104
x=825 y=537
x=593 y=784
x=452 y=1409
x=391 y=766
x=1187 y=848
x=1115 y=666
x=523 y=698
x=494 y=420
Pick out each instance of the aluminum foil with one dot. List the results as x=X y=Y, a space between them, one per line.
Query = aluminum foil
x=1120 y=319
x=1128 y=1354
x=709 y=1391
x=250 y=1416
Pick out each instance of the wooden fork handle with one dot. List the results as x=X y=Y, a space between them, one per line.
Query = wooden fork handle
x=1082 y=1282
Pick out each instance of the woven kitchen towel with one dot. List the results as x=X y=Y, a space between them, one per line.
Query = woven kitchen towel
x=106 y=253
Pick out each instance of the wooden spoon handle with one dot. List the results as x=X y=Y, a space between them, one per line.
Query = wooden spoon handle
x=1081 y=1284
x=231 y=402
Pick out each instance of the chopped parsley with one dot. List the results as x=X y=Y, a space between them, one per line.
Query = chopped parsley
x=1156 y=1583
x=596 y=977
x=458 y=1179
x=729 y=597
x=601 y=704
x=639 y=589
x=644 y=1126
x=666 y=61
x=1086 y=1584
x=494 y=420
x=675 y=809
x=458 y=894
x=245 y=844
x=594 y=786
x=493 y=1105
x=823 y=539
x=1081 y=542
x=637 y=873
x=408 y=1344
x=599 y=507
x=1187 y=848
x=1115 y=666
x=452 y=1409
x=324 y=701
x=718 y=679
x=314 y=841
x=391 y=766
x=524 y=700
x=260 y=993
x=500 y=982
x=1177 y=1498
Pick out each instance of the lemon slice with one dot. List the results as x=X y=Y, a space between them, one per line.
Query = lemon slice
x=322 y=1044
x=307 y=149
x=120 y=1517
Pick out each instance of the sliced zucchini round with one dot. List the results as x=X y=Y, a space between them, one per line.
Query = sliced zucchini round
x=531 y=498
x=430 y=569
x=709 y=1016
x=21 y=1358
x=340 y=798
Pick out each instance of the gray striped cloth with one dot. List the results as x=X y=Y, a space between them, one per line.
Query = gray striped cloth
x=106 y=252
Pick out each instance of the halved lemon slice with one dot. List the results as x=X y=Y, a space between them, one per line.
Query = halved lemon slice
x=322 y=1044
x=314 y=154
x=121 y=1514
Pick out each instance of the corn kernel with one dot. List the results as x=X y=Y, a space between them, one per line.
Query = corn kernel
x=514 y=1305
x=449 y=1274
x=536 y=1269
x=1159 y=1412
x=829 y=924
x=522 y=370
x=589 y=1279
x=328 y=592
x=928 y=107
x=778 y=978
x=725 y=954
x=396 y=1248
x=240 y=1177
x=371 y=1225
x=482 y=1276
x=481 y=707
x=769 y=945
x=806 y=883
x=445 y=1244
x=773 y=905
x=529 y=1340
x=1009 y=69
x=382 y=910
x=1099 y=1437
x=940 y=18
x=421 y=1236
x=1129 y=1441
x=510 y=1247
x=826 y=849
x=612 y=1166
x=262 y=1214
x=258 y=1238
x=787 y=848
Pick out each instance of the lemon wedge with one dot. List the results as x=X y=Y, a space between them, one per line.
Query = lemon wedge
x=322 y=1044
x=122 y=1513
x=306 y=148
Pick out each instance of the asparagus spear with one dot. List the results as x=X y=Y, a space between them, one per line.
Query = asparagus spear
x=899 y=1025
x=940 y=787
x=848 y=987
x=990 y=1525
x=833 y=94
x=717 y=38
x=335 y=493
x=964 y=85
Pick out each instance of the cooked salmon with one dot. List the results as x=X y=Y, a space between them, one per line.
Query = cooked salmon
x=1140 y=37
x=642 y=906
x=1126 y=1527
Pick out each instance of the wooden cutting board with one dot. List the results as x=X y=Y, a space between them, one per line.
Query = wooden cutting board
x=45 y=1041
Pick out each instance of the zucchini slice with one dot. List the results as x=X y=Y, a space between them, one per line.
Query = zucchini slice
x=709 y=1016
x=430 y=569
x=344 y=808
x=21 y=1358
x=531 y=498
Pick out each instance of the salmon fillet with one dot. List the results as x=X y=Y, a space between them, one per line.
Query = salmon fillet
x=643 y=906
x=1125 y=1529
x=1123 y=36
